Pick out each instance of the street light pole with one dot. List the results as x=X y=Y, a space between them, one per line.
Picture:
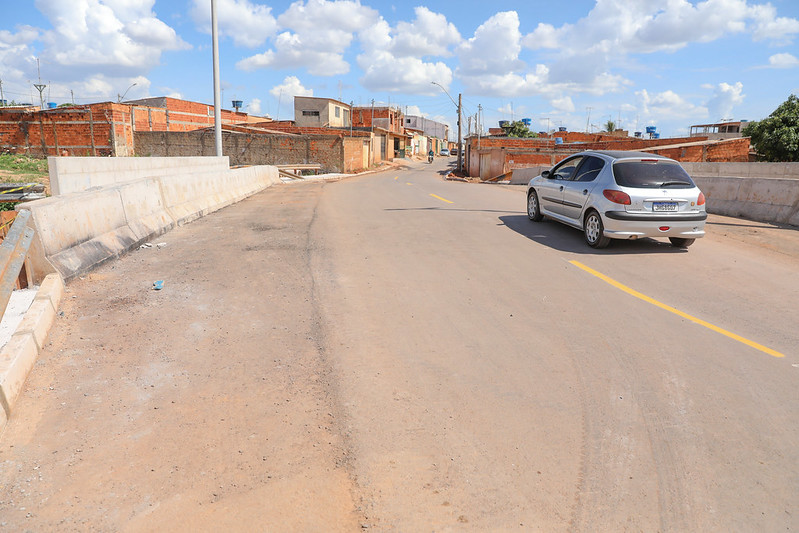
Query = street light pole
x=121 y=97
x=217 y=91
x=459 y=105
x=460 y=137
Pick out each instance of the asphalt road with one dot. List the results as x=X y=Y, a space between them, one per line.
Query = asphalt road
x=399 y=352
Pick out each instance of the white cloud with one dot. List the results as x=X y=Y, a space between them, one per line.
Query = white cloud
x=90 y=36
x=768 y=26
x=494 y=48
x=621 y=27
x=783 y=61
x=588 y=50
x=290 y=88
x=254 y=107
x=428 y=35
x=16 y=54
x=666 y=105
x=724 y=99
x=25 y=35
x=169 y=92
x=318 y=34
x=96 y=48
x=392 y=58
x=563 y=104
x=384 y=72
x=247 y=24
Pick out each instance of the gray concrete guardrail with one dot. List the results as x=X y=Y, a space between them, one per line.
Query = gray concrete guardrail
x=80 y=230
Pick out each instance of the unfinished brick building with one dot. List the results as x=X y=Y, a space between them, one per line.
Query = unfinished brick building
x=490 y=157
x=102 y=129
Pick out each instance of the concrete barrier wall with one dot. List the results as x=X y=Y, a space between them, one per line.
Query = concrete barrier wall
x=743 y=170
x=767 y=200
x=81 y=230
x=74 y=174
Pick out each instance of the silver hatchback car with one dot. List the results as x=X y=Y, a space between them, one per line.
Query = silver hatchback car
x=620 y=195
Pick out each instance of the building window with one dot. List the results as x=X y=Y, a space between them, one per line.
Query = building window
x=310 y=113
x=338 y=112
x=407 y=121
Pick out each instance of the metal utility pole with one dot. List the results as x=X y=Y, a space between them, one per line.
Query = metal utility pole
x=459 y=105
x=460 y=135
x=217 y=91
x=2 y=96
x=40 y=86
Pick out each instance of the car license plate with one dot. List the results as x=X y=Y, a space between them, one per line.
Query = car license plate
x=664 y=206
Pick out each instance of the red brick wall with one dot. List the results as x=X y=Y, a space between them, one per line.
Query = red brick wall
x=70 y=130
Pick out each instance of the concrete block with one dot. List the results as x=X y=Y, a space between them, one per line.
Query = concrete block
x=66 y=221
x=17 y=358
x=145 y=212
x=51 y=289
x=37 y=321
x=75 y=174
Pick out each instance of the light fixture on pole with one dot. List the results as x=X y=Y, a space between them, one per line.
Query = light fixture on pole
x=459 y=105
x=121 y=97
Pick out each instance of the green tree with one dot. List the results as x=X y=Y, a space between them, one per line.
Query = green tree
x=610 y=126
x=518 y=129
x=776 y=138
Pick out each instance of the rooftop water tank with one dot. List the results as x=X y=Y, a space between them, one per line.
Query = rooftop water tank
x=562 y=128
x=237 y=104
x=503 y=123
x=656 y=136
x=3 y=103
x=51 y=105
x=527 y=122
x=558 y=140
x=651 y=129
x=638 y=134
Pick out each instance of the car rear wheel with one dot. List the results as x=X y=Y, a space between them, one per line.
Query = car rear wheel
x=533 y=209
x=594 y=231
x=679 y=242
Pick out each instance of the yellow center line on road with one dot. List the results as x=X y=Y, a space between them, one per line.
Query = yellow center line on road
x=677 y=312
x=437 y=197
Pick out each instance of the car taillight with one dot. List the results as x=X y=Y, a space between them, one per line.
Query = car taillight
x=617 y=197
x=701 y=199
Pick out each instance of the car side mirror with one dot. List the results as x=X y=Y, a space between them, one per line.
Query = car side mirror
x=546 y=174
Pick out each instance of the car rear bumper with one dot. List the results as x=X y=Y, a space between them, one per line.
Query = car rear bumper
x=638 y=225
x=657 y=217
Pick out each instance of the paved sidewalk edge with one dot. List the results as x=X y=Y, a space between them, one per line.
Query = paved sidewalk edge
x=19 y=354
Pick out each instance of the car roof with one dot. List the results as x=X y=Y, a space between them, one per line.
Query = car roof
x=624 y=154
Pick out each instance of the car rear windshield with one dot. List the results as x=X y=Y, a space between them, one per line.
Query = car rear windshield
x=654 y=174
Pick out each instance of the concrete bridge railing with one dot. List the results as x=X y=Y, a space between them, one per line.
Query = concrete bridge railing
x=130 y=201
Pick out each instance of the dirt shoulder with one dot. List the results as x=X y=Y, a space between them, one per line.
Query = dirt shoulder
x=202 y=406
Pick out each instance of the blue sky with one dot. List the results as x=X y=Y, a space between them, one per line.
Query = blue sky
x=578 y=64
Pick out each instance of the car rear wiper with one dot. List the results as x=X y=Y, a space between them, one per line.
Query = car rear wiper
x=667 y=183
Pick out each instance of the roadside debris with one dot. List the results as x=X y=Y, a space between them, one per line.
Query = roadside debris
x=158 y=285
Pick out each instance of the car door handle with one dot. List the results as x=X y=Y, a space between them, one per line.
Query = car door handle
x=585 y=191
x=561 y=187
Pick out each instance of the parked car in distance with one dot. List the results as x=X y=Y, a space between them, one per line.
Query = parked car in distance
x=444 y=152
x=454 y=151
x=620 y=195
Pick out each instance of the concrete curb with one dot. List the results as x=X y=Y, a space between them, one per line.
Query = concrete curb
x=19 y=354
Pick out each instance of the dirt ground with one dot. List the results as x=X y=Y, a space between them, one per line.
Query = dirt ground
x=151 y=410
